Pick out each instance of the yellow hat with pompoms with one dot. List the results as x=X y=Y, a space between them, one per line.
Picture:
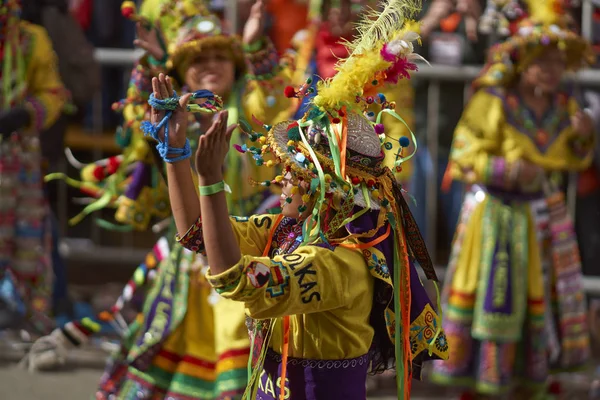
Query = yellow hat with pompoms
x=546 y=25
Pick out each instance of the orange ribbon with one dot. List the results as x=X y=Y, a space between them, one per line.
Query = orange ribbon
x=370 y=244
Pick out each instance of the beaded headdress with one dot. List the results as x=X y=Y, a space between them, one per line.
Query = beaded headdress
x=545 y=25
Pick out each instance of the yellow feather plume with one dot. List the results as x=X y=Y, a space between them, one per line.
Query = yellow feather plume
x=365 y=62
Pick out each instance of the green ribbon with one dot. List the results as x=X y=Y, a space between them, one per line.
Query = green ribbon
x=110 y=226
x=398 y=330
x=412 y=135
x=335 y=152
x=311 y=235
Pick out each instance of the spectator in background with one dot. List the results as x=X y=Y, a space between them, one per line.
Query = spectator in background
x=31 y=103
x=449 y=31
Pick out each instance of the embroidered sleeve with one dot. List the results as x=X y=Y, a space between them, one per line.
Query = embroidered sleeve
x=47 y=95
x=476 y=138
x=251 y=233
x=311 y=279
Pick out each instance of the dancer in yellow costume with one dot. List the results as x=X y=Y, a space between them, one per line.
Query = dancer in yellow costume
x=329 y=283
x=190 y=343
x=515 y=306
x=32 y=98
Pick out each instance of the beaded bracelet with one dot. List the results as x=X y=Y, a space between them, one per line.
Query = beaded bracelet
x=211 y=105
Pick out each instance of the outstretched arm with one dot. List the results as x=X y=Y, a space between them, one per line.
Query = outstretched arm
x=182 y=194
x=222 y=248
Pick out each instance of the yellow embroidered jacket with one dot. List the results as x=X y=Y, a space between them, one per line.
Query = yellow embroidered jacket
x=496 y=130
x=45 y=95
x=327 y=292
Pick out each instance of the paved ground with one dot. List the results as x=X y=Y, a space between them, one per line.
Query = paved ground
x=78 y=380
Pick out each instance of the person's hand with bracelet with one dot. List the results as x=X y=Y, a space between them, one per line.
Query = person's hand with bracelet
x=222 y=248
x=177 y=125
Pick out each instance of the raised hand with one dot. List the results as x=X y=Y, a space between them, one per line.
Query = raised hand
x=253 y=30
x=163 y=89
x=582 y=123
x=212 y=149
x=149 y=40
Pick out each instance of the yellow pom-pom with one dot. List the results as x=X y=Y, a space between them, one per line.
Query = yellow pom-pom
x=291 y=143
x=264 y=148
x=375 y=193
x=278 y=178
x=87 y=173
x=294 y=189
x=306 y=198
x=262 y=140
x=269 y=163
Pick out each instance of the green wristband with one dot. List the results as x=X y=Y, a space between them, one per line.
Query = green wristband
x=212 y=189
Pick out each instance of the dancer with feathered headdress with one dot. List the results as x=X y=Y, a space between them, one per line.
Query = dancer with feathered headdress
x=330 y=284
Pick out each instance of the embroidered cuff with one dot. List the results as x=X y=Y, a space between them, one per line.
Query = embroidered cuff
x=582 y=146
x=38 y=112
x=501 y=174
x=263 y=64
x=250 y=277
x=226 y=281
x=193 y=239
